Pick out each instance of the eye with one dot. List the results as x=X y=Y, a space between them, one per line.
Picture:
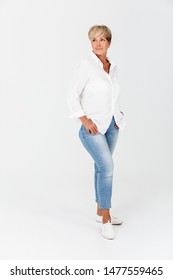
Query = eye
x=102 y=39
x=93 y=40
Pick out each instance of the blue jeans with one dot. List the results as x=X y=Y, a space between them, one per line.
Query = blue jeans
x=101 y=148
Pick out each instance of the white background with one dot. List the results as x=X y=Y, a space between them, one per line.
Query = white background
x=47 y=202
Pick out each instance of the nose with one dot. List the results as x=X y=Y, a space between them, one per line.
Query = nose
x=98 y=43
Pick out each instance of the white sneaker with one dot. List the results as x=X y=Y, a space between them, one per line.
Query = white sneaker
x=107 y=231
x=114 y=221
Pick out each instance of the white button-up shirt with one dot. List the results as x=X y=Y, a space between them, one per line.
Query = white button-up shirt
x=95 y=93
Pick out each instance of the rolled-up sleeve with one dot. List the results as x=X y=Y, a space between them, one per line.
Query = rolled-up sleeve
x=119 y=116
x=76 y=87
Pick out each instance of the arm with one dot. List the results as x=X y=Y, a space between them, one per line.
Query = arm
x=119 y=115
x=77 y=85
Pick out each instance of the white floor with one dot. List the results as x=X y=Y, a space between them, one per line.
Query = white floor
x=41 y=225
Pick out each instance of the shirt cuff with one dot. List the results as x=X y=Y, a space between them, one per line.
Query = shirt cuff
x=77 y=114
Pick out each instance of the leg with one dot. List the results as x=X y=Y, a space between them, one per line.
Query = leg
x=111 y=137
x=98 y=148
x=95 y=183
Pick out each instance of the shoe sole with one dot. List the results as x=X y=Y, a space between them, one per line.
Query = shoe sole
x=111 y=223
x=109 y=238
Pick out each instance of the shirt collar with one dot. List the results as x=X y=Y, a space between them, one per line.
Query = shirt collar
x=95 y=57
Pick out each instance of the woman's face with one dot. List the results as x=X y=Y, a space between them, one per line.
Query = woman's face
x=100 y=45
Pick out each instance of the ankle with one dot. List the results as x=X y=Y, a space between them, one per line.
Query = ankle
x=106 y=220
x=99 y=211
x=106 y=216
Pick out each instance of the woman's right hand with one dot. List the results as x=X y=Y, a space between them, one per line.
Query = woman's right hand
x=90 y=126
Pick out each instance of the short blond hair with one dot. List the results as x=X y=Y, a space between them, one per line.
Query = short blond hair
x=97 y=30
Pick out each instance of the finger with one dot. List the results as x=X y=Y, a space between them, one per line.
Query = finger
x=91 y=130
x=95 y=127
x=95 y=131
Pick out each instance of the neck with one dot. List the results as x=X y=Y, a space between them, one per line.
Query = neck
x=102 y=58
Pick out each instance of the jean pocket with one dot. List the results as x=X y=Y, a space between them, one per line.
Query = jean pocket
x=116 y=126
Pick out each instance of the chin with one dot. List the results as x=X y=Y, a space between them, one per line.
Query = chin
x=99 y=52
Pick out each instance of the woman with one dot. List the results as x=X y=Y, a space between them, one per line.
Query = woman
x=93 y=98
